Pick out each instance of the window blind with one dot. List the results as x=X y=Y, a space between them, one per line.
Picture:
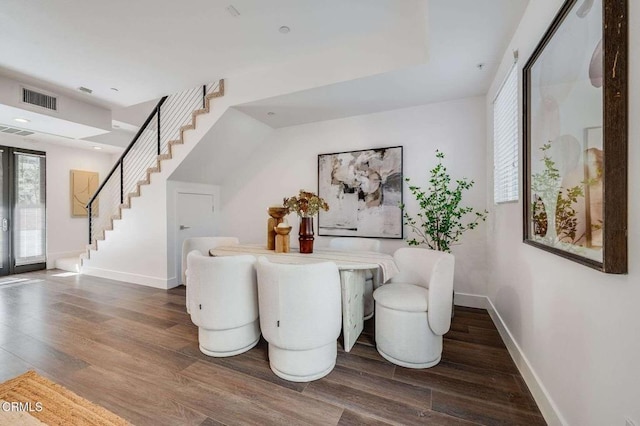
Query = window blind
x=505 y=140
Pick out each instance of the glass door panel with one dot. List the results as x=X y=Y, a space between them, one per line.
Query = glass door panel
x=29 y=212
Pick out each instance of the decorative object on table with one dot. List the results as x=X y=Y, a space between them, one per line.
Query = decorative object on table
x=364 y=189
x=83 y=186
x=440 y=221
x=277 y=216
x=283 y=240
x=50 y=403
x=306 y=205
x=575 y=136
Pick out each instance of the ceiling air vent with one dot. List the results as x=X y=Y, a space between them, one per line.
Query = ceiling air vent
x=14 y=131
x=39 y=99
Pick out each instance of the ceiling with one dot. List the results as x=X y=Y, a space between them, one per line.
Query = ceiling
x=462 y=33
x=149 y=48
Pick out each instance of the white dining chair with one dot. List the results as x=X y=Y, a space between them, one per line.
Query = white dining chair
x=224 y=297
x=372 y=280
x=413 y=310
x=300 y=317
x=203 y=245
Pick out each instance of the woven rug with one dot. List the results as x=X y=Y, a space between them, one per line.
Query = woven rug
x=30 y=399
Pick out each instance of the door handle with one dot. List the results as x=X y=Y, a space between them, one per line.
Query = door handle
x=182 y=227
x=5 y=225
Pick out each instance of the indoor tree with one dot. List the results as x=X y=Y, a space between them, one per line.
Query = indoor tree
x=441 y=220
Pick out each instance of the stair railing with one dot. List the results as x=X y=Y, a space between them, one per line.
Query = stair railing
x=143 y=156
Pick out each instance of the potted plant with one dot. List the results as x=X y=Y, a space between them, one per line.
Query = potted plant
x=306 y=205
x=441 y=220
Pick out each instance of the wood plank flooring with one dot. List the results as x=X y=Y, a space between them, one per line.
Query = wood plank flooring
x=134 y=350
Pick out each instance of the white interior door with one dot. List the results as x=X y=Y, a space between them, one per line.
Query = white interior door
x=195 y=218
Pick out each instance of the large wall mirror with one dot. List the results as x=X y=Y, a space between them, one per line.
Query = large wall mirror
x=575 y=136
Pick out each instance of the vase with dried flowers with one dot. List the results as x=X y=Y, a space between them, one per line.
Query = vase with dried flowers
x=306 y=205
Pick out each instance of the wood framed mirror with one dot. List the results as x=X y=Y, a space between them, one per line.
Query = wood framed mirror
x=575 y=136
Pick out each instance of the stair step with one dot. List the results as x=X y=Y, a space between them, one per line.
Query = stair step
x=214 y=95
x=218 y=93
x=71 y=264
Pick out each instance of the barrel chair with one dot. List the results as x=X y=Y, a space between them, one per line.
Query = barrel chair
x=224 y=298
x=300 y=317
x=203 y=245
x=413 y=311
x=372 y=280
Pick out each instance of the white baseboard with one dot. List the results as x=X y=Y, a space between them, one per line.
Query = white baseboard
x=155 y=282
x=173 y=282
x=52 y=257
x=543 y=399
x=470 y=300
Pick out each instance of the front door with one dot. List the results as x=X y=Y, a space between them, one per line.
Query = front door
x=195 y=218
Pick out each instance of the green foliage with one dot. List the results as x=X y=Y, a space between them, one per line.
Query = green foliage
x=440 y=221
x=547 y=190
x=566 y=215
x=546 y=183
x=29 y=180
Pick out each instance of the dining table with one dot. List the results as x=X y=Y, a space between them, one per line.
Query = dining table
x=351 y=266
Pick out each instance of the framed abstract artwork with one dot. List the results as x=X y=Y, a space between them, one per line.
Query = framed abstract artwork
x=83 y=186
x=575 y=136
x=364 y=193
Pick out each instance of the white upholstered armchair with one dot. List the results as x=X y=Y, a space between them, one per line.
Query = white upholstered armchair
x=371 y=277
x=203 y=245
x=224 y=303
x=413 y=311
x=300 y=317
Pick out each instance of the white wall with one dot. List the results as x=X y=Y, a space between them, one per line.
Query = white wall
x=574 y=329
x=287 y=161
x=226 y=146
x=66 y=235
x=136 y=249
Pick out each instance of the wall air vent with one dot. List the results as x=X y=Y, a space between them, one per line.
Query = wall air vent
x=39 y=99
x=14 y=131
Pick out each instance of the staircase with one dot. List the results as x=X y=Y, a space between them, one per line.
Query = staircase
x=150 y=148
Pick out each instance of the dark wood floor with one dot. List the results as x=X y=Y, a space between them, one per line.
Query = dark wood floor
x=134 y=350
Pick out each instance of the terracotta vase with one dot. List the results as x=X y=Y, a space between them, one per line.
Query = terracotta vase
x=306 y=235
